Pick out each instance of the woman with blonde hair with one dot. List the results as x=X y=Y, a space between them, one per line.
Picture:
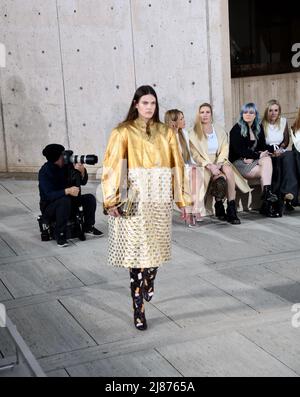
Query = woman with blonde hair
x=284 y=179
x=210 y=150
x=174 y=118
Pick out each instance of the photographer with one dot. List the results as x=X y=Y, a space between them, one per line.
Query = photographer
x=59 y=196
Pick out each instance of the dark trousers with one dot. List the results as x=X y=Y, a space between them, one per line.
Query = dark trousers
x=62 y=209
x=284 y=179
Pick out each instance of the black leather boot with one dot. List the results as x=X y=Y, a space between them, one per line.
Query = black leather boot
x=268 y=195
x=232 y=213
x=220 y=211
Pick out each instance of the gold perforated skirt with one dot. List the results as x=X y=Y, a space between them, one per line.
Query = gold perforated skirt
x=144 y=239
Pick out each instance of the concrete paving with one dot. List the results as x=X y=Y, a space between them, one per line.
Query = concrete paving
x=222 y=306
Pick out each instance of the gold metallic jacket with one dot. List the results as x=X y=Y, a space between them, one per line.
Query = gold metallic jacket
x=130 y=147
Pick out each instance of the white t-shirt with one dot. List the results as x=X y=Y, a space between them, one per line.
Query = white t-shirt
x=275 y=133
x=212 y=141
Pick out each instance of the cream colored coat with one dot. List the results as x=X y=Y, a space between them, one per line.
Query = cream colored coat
x=199 y=150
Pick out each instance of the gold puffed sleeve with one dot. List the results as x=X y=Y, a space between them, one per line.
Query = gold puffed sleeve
x=181 y=191
x=115 y=166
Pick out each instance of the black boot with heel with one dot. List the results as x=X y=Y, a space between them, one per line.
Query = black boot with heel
x=232 y=213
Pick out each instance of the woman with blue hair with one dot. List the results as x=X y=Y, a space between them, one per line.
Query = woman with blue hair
x=249 y=153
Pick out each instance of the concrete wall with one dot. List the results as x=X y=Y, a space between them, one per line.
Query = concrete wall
x=73 y=66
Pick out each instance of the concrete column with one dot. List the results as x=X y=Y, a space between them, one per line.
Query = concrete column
x=218 y=38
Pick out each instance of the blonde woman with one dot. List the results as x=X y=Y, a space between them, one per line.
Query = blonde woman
x=284 y=179
x=295 y=133
x=209 y=148
x=174 y=118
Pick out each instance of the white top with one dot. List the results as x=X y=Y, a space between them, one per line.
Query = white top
x=275 y=133
x=212 y=141
x=187 y=140
x=296 y=140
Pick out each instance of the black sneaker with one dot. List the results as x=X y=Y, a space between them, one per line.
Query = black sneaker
x=93 y=231
x=62 y=242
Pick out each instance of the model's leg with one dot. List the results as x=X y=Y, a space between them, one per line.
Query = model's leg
x=136 y=286
x=148 y=285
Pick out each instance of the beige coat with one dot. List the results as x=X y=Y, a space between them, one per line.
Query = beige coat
x=199 y=150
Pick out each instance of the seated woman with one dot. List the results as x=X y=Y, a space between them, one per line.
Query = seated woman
x=284 y=179
x=209 y=148
x=249 y=154
x=174 y=118
x=295 y=134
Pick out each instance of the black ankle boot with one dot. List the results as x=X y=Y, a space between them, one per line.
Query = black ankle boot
x=268 y=195
x=268 y=209
x=220 y=211
x=232 y=214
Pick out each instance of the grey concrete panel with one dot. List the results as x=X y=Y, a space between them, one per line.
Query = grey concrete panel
x=49 y=329
x=32 y=82
x=178 y=64
x=252 y=295
x=203 y=302
x=100 y=88
x=280 y=340
x=37 y=276
x=25 y=154
x=4 y=293
x=5 y=250
x=108 y=316
x=265 y=279
x=289 y=268
x=224 y=355
x=138 y=364
x=91 y=268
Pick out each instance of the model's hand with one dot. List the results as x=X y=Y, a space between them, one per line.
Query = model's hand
x=80 y=167
x=248 y=161
x=72 y=191
x=113 y=212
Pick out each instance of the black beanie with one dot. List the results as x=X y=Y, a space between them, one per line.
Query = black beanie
x=53 y=152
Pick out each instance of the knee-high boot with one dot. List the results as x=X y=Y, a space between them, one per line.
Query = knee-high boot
x=136 y=286
x=148 y=285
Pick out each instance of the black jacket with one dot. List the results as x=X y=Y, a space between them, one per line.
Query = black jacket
x=53 y=181
x=240 y=147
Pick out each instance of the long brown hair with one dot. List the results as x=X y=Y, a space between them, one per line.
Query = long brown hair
x=296 y=125
x=198 y=128
x=133 y=113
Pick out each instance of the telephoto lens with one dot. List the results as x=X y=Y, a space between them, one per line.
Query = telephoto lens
x=71 y=158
